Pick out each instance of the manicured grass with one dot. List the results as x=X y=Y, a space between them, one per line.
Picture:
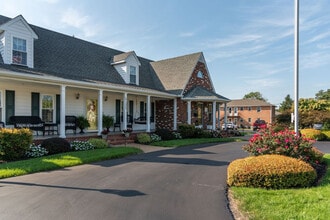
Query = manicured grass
x=192 y=141
x=57 y=161
x=307 y=203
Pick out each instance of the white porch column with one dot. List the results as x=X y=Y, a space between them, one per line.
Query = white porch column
x=189 y=112
x=62 y=112
x=100 y=113
x=219 y=115
x=148 y=114
x=175 y=113
x=214 y=114
x=125 y=111
x=225 y=118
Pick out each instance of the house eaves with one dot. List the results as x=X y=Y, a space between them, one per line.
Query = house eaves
x=199 y=93
x=38 y=77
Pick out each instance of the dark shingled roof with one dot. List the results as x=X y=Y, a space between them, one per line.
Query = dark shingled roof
x=68 y=57
x=72 y=58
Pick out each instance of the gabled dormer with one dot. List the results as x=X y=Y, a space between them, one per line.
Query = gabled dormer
x=127 y=64
x=17 y=42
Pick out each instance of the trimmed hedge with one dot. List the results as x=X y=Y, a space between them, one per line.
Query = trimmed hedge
x=98 y=143
x=271 y=172
x=143 y=138
x=56 y=145
x=314 y=134
x=14 y=143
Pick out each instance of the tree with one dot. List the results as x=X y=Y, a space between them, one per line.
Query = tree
x=323 y=95
x=254 y=95
x=286 y=104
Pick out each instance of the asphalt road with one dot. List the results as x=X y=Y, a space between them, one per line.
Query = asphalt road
x=184 y=183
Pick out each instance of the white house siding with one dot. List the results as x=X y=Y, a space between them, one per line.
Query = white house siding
x=123 y=69
x=74 y=106
x=2 y=44
x=18 y=29
x=131 y=61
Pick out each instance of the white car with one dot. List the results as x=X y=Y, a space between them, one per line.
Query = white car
x=230 y=125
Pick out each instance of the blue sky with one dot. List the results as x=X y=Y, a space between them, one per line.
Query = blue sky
x=248 y=44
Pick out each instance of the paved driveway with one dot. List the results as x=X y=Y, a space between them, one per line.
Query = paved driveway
x=184 y=183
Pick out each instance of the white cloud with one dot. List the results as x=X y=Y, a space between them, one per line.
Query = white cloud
x=186 y=34
x=73 y=18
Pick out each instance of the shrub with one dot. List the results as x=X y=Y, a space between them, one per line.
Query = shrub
x=98 y=143
x=187 y=131
x=36 y=151
x=313 y=134
x=327 y=134
x=81 y=145
x=177 y=135
x=56 y=145
x=155 y=137
x=271 y=172
x=14 y=143
x=200 y=133
x=283 y=143
x=165 y=134
x=143 y=138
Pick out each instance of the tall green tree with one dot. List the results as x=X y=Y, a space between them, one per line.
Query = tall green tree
x=254 y=95
x=323 y=95
x=286 y=104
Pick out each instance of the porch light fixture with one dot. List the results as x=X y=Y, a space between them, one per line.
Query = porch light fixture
x=77 y=95
x=105 y=98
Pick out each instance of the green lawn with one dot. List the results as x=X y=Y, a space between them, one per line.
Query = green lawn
x=68 y=159
x=308 y=203
x=192 y=141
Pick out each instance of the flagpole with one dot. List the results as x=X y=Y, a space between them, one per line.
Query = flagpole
x=296 y=68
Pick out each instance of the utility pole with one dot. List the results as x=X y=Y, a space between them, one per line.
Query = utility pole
x=296 y=68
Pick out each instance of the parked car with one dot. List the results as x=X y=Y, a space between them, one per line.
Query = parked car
x=318 y=126
x=259 y=124
x=230 y=125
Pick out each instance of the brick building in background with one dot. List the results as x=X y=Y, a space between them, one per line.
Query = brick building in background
x=244 y=112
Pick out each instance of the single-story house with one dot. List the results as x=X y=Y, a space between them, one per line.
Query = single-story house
x=52 y=75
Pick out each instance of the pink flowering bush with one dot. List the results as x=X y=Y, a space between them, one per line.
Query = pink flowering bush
x=284 y=142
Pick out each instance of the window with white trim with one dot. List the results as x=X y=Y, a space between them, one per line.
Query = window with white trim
x=19 y=51
x=47 y=108
x=132 y=74
x=258 y=109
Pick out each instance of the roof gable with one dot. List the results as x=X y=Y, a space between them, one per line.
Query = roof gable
x=121 y=58
x=5 y=26
x=247 y=103
x=174 y=73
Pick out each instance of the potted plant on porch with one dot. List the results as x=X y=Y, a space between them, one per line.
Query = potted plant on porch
x=107 y=122
x=82 y=123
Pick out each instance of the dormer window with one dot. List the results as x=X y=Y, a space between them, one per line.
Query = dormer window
x=19 y=51
x=132 y=74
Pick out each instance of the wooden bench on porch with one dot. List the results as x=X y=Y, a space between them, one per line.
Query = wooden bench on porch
x=32 y=122
x=71 y=123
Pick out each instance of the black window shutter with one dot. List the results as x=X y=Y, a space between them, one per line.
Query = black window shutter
x=117 y=111
x=10 y=104
x=58 y=108
x=35 y=104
